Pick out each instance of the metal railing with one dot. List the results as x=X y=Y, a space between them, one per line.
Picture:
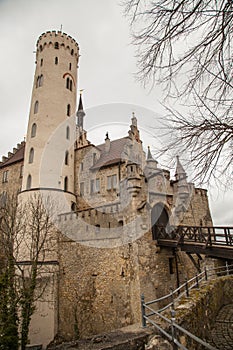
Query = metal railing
x=220 y=236
x=170 y=300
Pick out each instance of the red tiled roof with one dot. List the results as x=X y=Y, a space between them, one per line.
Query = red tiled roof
x=115 y=154
x=16 y=157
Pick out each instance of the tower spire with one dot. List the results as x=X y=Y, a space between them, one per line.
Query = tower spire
x=80 y=112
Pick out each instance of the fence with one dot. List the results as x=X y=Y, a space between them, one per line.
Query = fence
x=170 y=301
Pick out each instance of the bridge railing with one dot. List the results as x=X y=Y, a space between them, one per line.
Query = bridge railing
x=152 y=312
x=217 y=235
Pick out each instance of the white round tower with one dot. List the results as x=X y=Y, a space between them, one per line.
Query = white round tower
x=49 y=153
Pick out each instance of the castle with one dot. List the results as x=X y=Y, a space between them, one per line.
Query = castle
x=111 y=198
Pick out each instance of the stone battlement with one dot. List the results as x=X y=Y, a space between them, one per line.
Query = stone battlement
x=61 y=39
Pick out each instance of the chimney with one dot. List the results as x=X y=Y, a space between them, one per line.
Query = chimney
x=107 y=143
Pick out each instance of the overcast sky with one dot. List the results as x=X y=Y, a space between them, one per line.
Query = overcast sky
x=106 y=73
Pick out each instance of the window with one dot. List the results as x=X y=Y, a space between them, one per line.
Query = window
x=39 y=80
x=171 y=265
x=92 y=189
x=3 y=199
x=56 y=45
x=29 y=182
x=94 y=158
x=97 y=185
x=5 y=176
x=41 y=48
x=56 y=60
x=66 y=184
x=97 y=228
x=21 y=171
x=73 y=206
x=66 y=158
x=41 y=62
x=36 y=107
x=31 y=155
x=69 y=84
x=81 y=166
x=67 y=132
x=120 y=223
x=72 y=52
x=70 y=66
x=81 y=189
x=111 y=182
x=33 y=131
x=68 y=110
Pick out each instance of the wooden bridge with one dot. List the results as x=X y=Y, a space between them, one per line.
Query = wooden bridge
x=215 y=242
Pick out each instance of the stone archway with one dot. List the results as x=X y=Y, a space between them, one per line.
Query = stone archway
x=159 y=217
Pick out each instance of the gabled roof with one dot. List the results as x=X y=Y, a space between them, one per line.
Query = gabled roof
x=115 y=154
x=17 y=156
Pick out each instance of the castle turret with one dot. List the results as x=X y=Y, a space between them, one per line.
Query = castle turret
x=51 y=126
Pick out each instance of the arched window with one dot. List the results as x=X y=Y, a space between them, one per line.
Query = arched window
x=33 y=131
x=56 y=60
x=72 y=52
x=29 y=182
x=31 y=155
x=120 y=223
x=71 y=83
x=41 y=80
x=73 y=206
x=56 y=45
x=36 y=107
x=66 y=184
x=68 y=110
x=68 y=83
x=66 y=158
x=37 y=82
x=67 y=132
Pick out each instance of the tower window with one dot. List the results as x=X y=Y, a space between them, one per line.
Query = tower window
x=31 y=155
x=56 y=45
x=33 y=131
x=67 y=132
x=41 y=62
x=5 y=176
x=29 y=182
x=41 y=48
x=39 y=80
x=69 y=84
x=81 y=189
x=36 y=107
x=56 y=60
x=70 y=65
x=66 y=158
x=81 y=166
x=72 y=52
x=21 y=171
x=68 y=110
x=66 y=184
